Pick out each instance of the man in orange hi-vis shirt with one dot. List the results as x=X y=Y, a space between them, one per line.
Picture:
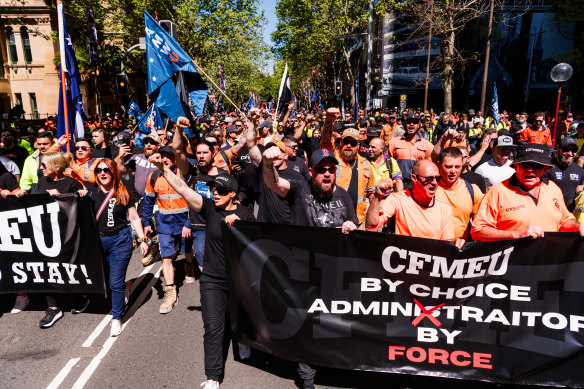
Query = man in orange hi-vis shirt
x=537 y=133
x=527 y=204
x=417 y=211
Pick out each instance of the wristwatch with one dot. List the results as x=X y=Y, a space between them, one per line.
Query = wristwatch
x=146 y=240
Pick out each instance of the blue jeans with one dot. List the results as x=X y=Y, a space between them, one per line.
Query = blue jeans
x=117 y=250
x=199 y=245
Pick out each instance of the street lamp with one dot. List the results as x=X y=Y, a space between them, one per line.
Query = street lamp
x=559 y=74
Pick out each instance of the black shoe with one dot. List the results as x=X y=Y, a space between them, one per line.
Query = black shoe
x=81 y=304
x=51 y=317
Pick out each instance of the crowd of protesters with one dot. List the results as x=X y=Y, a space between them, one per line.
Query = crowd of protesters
x=455 y=177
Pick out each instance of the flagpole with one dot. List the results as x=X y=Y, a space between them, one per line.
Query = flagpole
x=219 y=89
x=64 y=83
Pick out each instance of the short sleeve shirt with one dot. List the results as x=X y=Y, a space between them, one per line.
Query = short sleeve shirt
x=114 y=216
x=568 y=178
x=462 y=205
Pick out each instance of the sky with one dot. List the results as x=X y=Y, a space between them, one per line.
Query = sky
x=269 y=7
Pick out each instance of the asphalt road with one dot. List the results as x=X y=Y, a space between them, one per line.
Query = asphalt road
x=153 y=351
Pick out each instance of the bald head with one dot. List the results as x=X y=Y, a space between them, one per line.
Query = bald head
x=425 y=167
x=376 y=146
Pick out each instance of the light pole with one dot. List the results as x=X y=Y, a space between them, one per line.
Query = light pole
x=559 y=74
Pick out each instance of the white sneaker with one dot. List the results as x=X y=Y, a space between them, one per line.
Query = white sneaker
x=210 y=384
x=116 y=327
x=20 y=304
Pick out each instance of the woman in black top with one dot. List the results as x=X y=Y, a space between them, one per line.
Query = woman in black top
x=213 y=281
x=54 y=182
x=113 y=207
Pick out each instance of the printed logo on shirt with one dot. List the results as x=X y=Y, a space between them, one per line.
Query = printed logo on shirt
x=574 y=177
x=559 y=175
x=110 y=212
x=204 y=190
x=516 y=208
x=296 y=168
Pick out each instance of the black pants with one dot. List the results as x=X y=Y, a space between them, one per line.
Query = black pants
x=213 y=310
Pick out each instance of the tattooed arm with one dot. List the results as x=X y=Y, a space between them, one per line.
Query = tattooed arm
x=272 y=179
x=194 y=199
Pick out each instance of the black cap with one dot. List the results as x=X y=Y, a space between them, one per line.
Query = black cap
x=166 y=150
x=568 y=141
x=320 y=155
x=231 y=129
x=533 y=152
x=224 y=180
x=338 y=127
x=265 y=123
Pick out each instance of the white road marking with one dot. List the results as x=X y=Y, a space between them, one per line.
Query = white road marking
x=63 y=374
x=97 y=331
x=90 y=369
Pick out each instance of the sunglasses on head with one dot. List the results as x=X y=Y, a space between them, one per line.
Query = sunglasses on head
x=350 y=141
x=429 y=179
x=82 y=148
x=324 y=169
x=221 y=191
x=99 y=170
x=531 y=165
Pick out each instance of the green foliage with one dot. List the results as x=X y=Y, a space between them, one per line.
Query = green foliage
x=570 y=16
x=211 y=31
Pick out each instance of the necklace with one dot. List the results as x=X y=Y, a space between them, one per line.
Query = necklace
x=353 y=164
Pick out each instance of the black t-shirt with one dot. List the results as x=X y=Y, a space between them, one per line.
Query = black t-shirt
x=353 y=189
x=476 y=179
x=299 y=165
x=567 y=178
x=248 y=177
x=364 y=148
x=214 y=258
x=16 y=154
x=197 y=181
x=66 y=185
x=309 y=144
x=309 y=210
x=114 y=217
x=106 y=152
x=273 y=208
x=8 y=181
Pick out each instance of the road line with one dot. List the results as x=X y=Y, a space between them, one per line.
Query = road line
x=97 y=331
x=58 y=380
x=90 y=369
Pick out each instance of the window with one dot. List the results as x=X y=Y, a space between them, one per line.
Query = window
x=11 y=45
x=26 y=45
x=18 y=98
x=33 y=105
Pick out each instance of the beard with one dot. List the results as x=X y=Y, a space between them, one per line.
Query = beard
x=322 y=193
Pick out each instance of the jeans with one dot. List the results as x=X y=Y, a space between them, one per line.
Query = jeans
x=213 y=310
x=199 y=245
x=117 y=250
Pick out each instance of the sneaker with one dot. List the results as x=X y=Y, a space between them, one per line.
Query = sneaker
x=127 y=292
x=210 y=384
x=51 y=317
x=244 y=351
x=81 y=304
x=20 y=304
x=189 y=272
x=116 y=327
x=169 y=299
x=152 y=251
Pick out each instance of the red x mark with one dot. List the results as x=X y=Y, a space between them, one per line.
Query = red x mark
x=427 y=313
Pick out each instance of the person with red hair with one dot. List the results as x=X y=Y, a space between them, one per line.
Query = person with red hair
x=114 y=207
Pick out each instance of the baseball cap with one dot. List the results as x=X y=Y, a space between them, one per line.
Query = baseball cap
x=228 y=120
x=504 y=138
x=570 y=114
x=232 y=129
x=224 y=180
x=320 y=155
x=533 y=152
x=338 y=127
x=166 y=150
x=476 y=119
x=265 y=123
x=351 y=133
x=362 y=123
x=154 y=136
x=278 y=143
x=568 y=141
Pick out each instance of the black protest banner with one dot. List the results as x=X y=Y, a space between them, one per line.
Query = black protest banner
x=508 y=311
x=49 y=244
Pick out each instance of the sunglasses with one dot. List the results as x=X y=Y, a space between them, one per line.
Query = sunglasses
x=429 y=179
x=412 y=121
x=150 y=142
x=570 y=150
x=531 y=165
x=350 y=141
x=82 y=148
x=221 y=191
x=6 y=135
x=213 y=144
x=99 y=170
x=43 y=166
x=324 y=169
x=506 y=148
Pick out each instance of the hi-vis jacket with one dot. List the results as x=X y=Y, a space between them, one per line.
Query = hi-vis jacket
x=173 y=209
